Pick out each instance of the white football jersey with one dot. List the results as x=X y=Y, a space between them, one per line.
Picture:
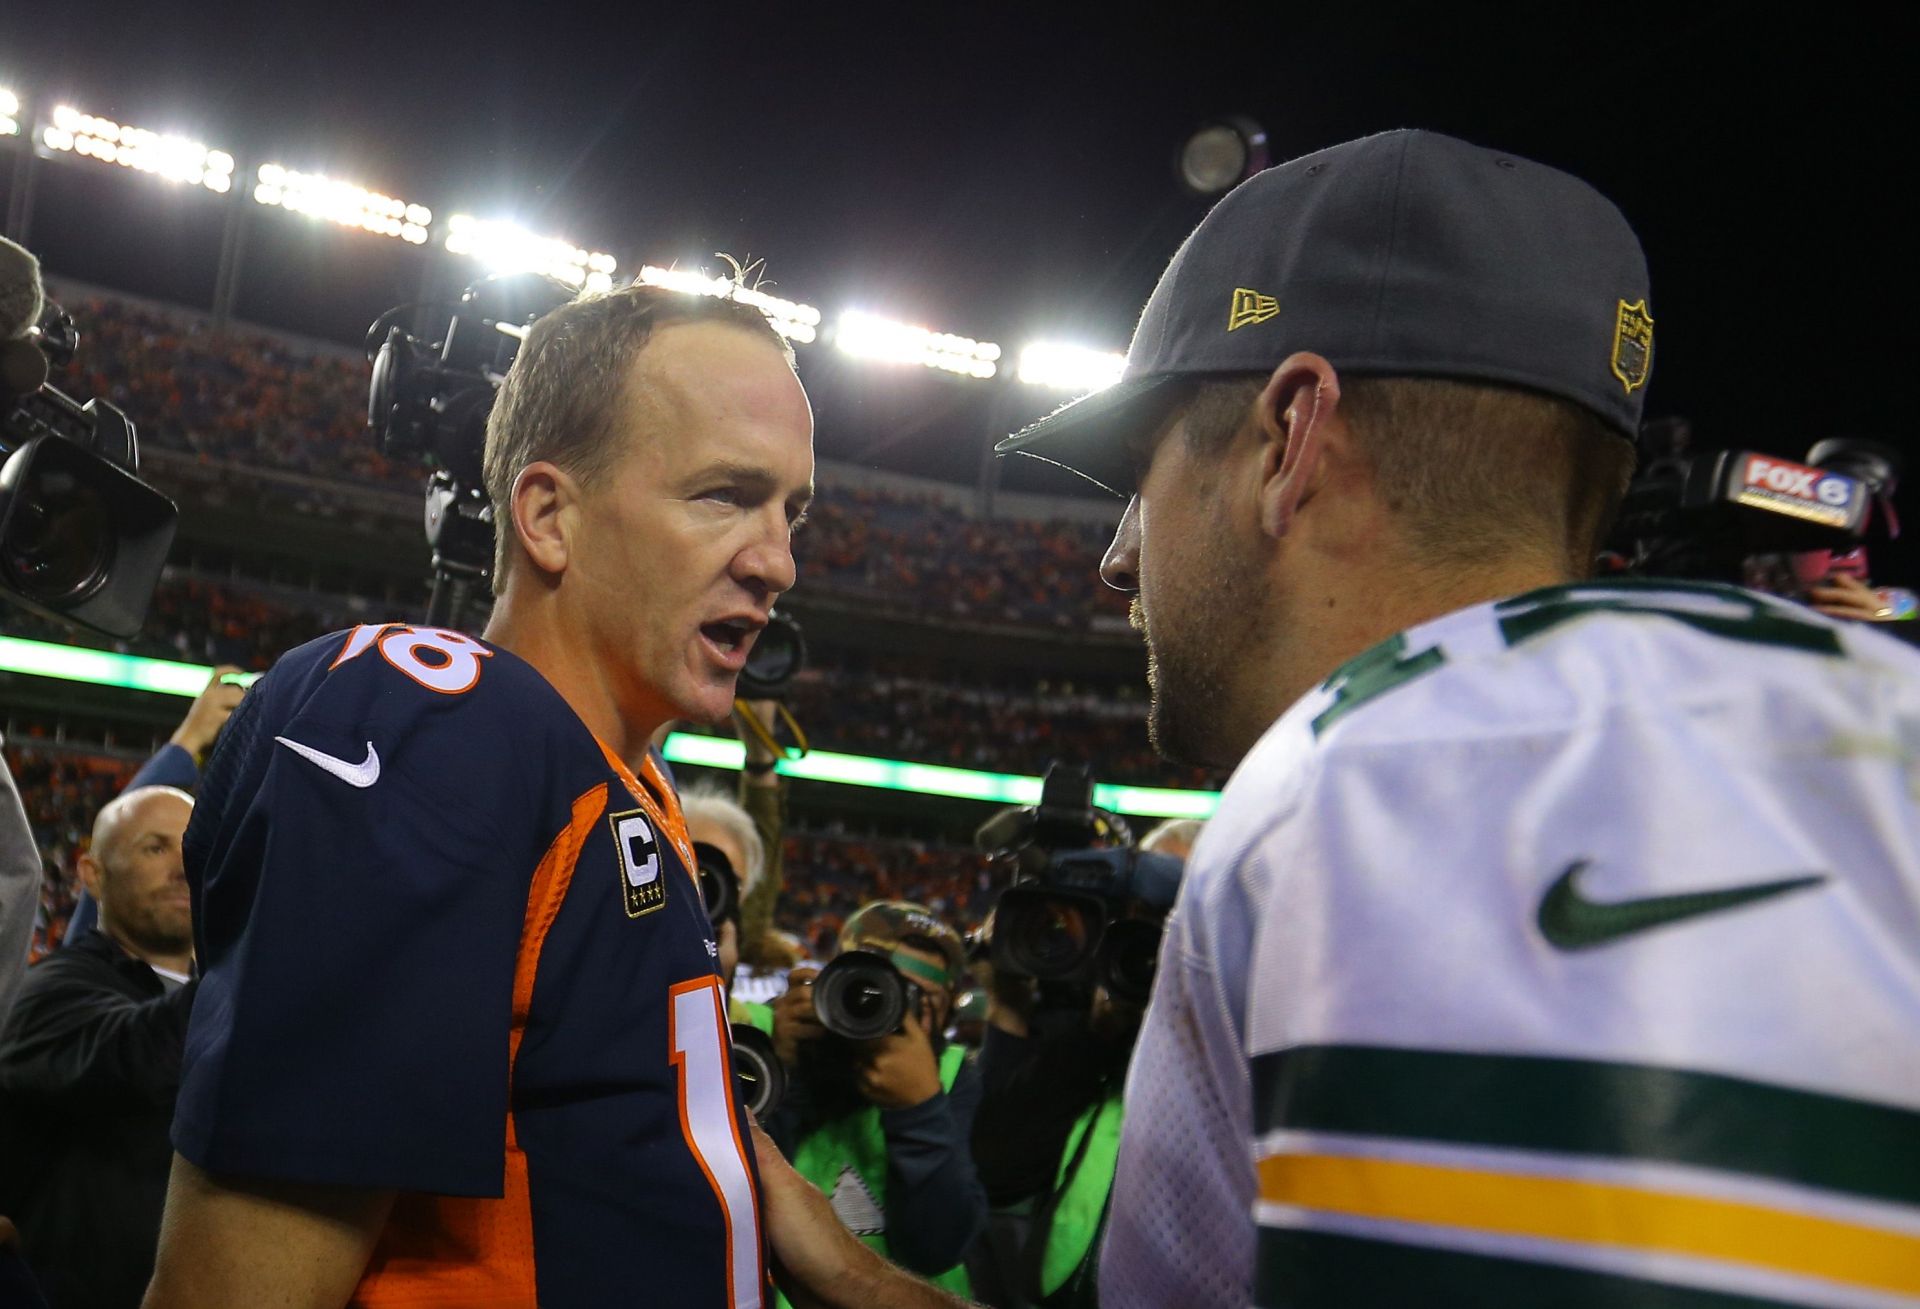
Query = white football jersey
x=1562 y=951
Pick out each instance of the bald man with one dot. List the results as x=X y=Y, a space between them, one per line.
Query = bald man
x=90 y=1064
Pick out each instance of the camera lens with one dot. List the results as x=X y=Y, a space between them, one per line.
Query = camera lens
x=777 y=654
x=763 y=1080
x=860 y=996
x=1048 y=935
x=719 y=887
x=1131 y=951
x=60 y=539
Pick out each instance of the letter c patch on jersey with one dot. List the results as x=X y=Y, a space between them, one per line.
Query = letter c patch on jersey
x=638 y=853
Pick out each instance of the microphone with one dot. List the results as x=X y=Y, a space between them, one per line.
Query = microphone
x=22 y=367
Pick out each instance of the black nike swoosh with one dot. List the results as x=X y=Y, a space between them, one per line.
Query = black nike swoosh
x=1570 y=921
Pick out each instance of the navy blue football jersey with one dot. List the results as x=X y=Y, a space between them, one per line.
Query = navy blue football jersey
x=452 y=946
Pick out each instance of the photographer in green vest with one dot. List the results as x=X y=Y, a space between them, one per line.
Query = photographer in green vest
x=881 y=1125
x=1047 y=1135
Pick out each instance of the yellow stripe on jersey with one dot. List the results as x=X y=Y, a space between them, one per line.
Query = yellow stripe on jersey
x=1563 y=1209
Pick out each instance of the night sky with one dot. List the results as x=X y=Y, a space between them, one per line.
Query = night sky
x=1006 y=172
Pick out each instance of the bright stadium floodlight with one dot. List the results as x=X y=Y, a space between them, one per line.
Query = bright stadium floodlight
x=340 y=202
x=1070 y=367
x=508 y=248
x=9 y=113
x=868 y=336
x=176 y=158
x=134 y=672
x=795 y=321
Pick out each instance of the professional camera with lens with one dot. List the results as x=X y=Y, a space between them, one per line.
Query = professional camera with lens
x=861 y=996
x=82 y=538
x=719 y=883
x=428 y=403
x=1712 y=514
x=1069 y=915
x=761 y=1075
x=779 y=652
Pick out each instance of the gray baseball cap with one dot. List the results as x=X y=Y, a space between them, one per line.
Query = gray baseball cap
x=1407 y=254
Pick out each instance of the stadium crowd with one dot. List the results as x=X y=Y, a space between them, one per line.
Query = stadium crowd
x=925 y=711
x=62 y=792
x=258 y=401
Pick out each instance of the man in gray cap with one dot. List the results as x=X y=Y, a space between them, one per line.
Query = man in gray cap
x=1476 y=989
x=1473 y=993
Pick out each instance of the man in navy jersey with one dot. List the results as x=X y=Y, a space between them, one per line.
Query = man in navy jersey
x=461 y=1038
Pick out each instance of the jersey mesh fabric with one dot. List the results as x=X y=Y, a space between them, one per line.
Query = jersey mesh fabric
x=1371 y=898
x=1182 y=1237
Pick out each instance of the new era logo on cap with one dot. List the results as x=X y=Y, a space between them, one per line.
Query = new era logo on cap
x=1250 y=307
x=1407 y=254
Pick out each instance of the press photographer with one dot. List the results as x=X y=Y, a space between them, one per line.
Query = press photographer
x=90 y=1049
x=879 y=1108
x=1073 y=943
x=82 y=538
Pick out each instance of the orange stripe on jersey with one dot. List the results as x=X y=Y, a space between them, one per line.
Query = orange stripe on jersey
x=660 y=801
x=448 y=1251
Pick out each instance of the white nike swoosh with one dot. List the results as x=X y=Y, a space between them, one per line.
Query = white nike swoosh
x=361 y=774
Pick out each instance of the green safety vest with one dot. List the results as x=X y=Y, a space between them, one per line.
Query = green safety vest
x=858 y=1142
x=751 y=1012
x=1081 y=1189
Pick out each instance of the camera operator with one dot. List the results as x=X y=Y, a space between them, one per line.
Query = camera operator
x=1047 y=1135
x=881 y=1126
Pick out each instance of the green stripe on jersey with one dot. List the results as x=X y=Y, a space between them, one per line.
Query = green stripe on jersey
x=1741 y=616
x=1588 y=1107
x=1321 y=1270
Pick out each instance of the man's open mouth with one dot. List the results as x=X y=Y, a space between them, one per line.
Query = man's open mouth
x=730 y=636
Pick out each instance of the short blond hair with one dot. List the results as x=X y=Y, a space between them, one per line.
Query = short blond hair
x=563 y=396
x=1470 y=469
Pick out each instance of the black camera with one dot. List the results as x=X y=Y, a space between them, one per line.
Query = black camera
x=1709 y=514
x=762 y=1077
x=778 y=653
x=860 y=995
x=719 y=883
x=82 y=538
x=428 y=403
x=1066 y=917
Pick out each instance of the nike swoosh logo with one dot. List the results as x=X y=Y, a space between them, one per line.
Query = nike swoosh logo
x=360 y=774
x=1570 y=921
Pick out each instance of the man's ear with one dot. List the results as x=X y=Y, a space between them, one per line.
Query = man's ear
x=89 y=870
x=1294 y=413
x=543 y=503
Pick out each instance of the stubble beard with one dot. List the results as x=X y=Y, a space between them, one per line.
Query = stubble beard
x=1189 y=662
x=157 y=930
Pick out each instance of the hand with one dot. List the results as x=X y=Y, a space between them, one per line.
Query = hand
x=210 y=711
x=816 y=1260
x=793 y=1018
x=1843 y=596
x=899 y=1071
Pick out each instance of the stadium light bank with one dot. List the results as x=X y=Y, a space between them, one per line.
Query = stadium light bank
x=162 y=154
x=1063 y=367
x=869 y=336
x=506 y=247
x=503 y=247
x=795 y=321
